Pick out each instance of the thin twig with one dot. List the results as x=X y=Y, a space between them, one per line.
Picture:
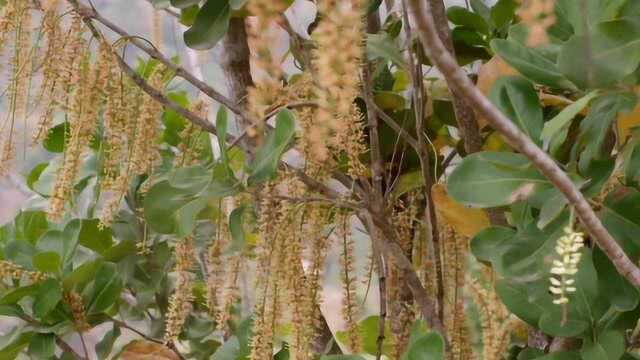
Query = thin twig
x=179 y=71
x=429 y=217
x=422 y=15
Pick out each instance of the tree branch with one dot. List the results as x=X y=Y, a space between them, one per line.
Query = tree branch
x=91 y=13
x=467 y=124
x=423 y=16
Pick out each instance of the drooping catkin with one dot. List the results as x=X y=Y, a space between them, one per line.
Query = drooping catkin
x=76 y=304
x=21 y=63
x=145 y=150
x=539 y=15
x=9 y=270
x=454 y=254
x=349 y=281
x=191 y=145
x=495 y=321
x=55 y=45
x=120 y=122
x=82 y=114
x=318 y=238
x=180 y=301
x=231 y=293
x=337 y=59
x=268 y=259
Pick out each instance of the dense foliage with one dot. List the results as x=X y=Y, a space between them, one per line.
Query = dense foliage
x=201 y=225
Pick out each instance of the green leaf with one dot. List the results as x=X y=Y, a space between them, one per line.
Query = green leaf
x=30 y=225
x=221 y=125
x=463 y=17
x=489 y=179
x=612 y=53
x=48 y=297
x=503 y=12
x=382 y=46
x=210 y=25
x=48 y=262
x=518 y=100
x=488 y=244
x=531 y=64
x=104 y=347
x=181 y=4
x=190 y=178
x=268 y=156
x=94 y=237
x=64 y=243
x=342 y=357
x=558 y=126
x=34 y=175
x=55 y=140
x=188 y=15
x=429 y=346
x=236 y=229
x=82 y=275
x=13 y=296
x=609 y=345
x=516 y=298
x=106 y=289
x=42 y=346
x=11 y=351
x=595 y=127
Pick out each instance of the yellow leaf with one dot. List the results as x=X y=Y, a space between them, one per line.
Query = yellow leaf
x=466 y=221
x=627 y=121
x=146 y=350
x=488 y=74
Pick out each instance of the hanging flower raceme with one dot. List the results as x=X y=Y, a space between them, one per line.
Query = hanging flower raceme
x=566 y=266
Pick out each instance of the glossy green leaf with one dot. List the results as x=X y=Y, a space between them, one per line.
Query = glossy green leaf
x=34 y=175
x=190 y=178
x=557 y=128
x=268 y=156
x=383 y=46
x=489 y=179
x=531 y=64
x=503 y=12
x=188 y=15
x=30 y=225
x=518 y=100
x=488 y=244
x=55 y=140
x=210 y=25
x=181 y=4
x=610 y=345
x=612 y=52
x=48 y=297
x=517 y=298
x=463 y=17
x=107 y=288
x=48 y=262
x=595 y=127
x=13 y=296
x=429 y=346
x=104 y=347
x=221 y=126
x=94 y=237
x=11 y=350
x=236 y=229
x=342 y=357
x=42 y=346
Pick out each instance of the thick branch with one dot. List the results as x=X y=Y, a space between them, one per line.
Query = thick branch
x=423 y=16
x=467 y=124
